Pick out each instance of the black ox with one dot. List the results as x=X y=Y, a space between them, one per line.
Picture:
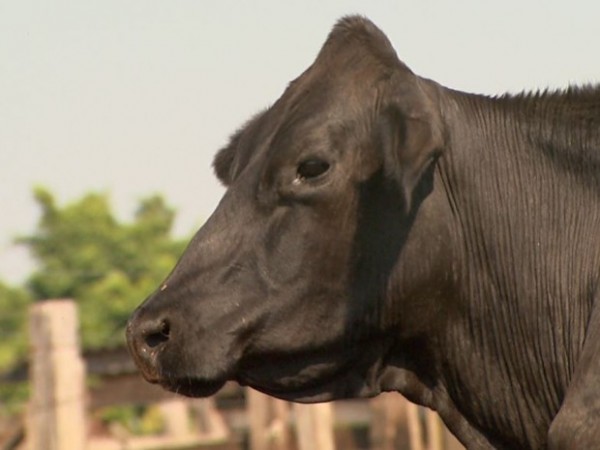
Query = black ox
x=383 y=233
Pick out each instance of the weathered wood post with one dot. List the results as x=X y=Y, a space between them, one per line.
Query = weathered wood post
x=258 y=419
x=209 y=421
x=435 y=430
x=56 y=411
x=415 y=429
x=397 y=423
x=450 y=441
x=176 y=417
x=268 y=422
x=314 y=426
x=389 y=428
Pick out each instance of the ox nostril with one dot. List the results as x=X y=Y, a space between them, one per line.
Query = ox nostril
x=159 y=335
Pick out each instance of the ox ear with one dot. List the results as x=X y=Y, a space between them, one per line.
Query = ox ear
x=224 y=162
x=410 y=131
x=232 y=158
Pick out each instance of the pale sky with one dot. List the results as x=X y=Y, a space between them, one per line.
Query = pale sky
x=135 y=97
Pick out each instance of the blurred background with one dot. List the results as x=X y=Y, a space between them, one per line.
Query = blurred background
x=110 y=114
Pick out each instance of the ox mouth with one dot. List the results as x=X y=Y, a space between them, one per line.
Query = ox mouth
x=189 y=386
x=150 y=368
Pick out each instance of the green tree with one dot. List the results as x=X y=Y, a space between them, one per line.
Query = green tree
x=85 y=253
x=13 y=343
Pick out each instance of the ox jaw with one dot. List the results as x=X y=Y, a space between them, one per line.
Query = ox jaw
x=355 y=379
x=306 y=378
x=314 y=378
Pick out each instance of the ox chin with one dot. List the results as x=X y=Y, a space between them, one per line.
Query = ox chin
x=192 y=387
x=314 y=394
x=333 y=386
x=319 y=393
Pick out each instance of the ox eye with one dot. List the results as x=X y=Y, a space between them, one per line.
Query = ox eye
x=312 y=168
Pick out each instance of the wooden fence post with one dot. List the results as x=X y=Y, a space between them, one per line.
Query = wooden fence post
x=56 y=411
x=209 y=421
x=268 y=422
x=314 y=426
x=450 y=441
x=415 y=429
x=258 y=419
x=388 y=427
x=435 y=430
x=176 y=416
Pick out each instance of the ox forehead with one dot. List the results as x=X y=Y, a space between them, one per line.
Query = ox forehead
x=380 y=232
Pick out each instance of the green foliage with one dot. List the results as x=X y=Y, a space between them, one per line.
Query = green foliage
x=107 y=266
x=13 y=398
x=136 y=419
x=13 y=334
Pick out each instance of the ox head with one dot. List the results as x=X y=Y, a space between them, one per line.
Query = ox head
x=295 y=285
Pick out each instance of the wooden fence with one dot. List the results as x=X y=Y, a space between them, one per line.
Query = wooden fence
x=59 y=408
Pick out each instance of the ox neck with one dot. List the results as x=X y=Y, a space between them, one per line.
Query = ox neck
x=521 y=177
